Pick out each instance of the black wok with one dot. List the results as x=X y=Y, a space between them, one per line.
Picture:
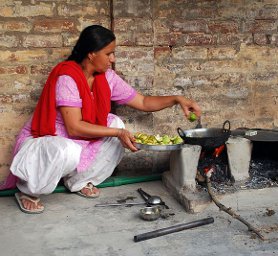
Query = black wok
x=206 y=137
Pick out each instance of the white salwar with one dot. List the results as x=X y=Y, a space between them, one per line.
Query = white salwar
x=42 y=162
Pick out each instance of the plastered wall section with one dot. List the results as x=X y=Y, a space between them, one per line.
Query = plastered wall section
x=221 y=53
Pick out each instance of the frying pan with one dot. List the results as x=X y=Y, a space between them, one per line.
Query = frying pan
x=257 y=134
x=206 y=137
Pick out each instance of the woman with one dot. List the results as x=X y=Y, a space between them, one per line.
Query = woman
x=71 y=134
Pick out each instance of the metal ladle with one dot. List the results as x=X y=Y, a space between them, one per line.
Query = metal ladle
x=151 y=200
x=154 y=200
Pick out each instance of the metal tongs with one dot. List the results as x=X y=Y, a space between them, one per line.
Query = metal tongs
x=148 y=200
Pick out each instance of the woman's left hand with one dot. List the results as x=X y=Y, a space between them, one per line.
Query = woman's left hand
x=127 y=139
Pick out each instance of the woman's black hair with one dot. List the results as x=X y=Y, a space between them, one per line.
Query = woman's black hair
x=91 y=39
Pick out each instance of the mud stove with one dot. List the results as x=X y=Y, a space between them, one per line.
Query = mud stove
x=243 y=162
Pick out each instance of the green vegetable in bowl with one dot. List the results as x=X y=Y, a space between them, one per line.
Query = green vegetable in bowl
x=177 y=140
x=157 y=139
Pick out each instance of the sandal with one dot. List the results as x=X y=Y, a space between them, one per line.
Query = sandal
x=94 y=192
x=19 y=197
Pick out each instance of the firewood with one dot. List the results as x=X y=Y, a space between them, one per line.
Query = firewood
x=229 y=210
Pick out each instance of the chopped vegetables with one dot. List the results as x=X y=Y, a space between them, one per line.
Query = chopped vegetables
x=157 y=139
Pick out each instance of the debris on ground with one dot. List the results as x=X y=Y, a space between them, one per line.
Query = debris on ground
x=269 y=212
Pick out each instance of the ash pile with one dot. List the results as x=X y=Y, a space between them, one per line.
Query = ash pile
x=263 y=171
x=264 y=165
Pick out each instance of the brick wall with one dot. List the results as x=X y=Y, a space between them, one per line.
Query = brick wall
x=34 y=36
x=221 y=53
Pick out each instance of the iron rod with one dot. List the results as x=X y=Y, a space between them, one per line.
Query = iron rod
x=172 y=229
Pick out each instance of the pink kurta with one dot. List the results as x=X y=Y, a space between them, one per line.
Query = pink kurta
x=67 y=94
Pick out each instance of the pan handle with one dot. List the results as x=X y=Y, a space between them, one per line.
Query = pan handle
x=226 y=123
x=181 y=133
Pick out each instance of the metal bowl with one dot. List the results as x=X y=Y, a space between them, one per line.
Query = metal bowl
x=159 y=147
x=150 y=212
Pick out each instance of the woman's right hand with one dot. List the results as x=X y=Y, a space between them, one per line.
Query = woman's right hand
x=127 y=139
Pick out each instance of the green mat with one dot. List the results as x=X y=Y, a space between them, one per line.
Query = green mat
x=110 y=182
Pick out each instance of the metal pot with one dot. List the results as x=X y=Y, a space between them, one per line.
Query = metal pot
x=150 y=212
x=206 y=137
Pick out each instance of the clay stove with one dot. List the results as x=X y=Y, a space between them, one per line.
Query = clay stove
x=185 y=163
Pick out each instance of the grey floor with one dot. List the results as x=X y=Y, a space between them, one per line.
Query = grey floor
x=71 y=225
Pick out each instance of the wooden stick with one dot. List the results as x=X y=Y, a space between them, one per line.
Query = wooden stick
x=230 y=211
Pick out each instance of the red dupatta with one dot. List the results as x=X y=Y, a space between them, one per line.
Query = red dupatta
x=95 y=108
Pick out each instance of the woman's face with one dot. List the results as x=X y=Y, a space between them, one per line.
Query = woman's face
x=103 y=59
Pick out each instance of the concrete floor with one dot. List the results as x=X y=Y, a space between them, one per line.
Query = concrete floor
x=71 y=225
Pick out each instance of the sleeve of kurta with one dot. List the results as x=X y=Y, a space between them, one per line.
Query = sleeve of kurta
x=121 y=91
x=67 y=93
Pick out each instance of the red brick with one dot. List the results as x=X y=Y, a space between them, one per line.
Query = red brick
x=260 y=26
x=269 y=11
x=185 y=8
x=42 y=41
x=232 y=39
x=127 y=8
x=24 y=9
x=95 y=8
x=200 y=12
x=199 y=39
x=6 y=11
x=262 y=39
x=27 y=56
x=223 y=27
x=15 y=25
x=162 y=52
x=14 y=70
x=188 y=26
x=54 y=25
x=41 y=69
x=9 y=41
x=133 y=31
